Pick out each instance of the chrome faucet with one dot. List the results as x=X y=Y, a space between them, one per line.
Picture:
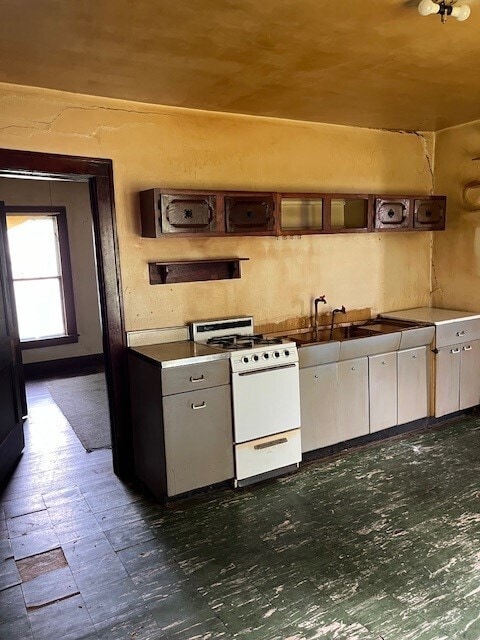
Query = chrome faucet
x=316 y=302
x=341 y=310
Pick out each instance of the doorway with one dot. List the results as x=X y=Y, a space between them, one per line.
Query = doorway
x=97 y=173
x=52 y=255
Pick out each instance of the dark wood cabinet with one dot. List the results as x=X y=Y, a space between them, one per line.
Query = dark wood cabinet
x=249 y=213
x=429 y=213
x=392 y=213
x=190 y=213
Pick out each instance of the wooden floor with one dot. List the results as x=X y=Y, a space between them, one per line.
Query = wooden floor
x=382 y=543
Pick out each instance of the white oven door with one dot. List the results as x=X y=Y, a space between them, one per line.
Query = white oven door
x=265 y=402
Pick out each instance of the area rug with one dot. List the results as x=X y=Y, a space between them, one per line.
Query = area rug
x=83 y=401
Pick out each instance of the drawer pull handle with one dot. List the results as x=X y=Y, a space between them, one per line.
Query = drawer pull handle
x=468 y=348
x=414 y=356
x=454 y=350
x=192 y=379
x=460 y=333
x=353 y=368
x=383 y=362
x=272 y=443
x=199 y=406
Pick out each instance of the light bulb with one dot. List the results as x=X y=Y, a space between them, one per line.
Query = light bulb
x=461 y=13
x=428 y=7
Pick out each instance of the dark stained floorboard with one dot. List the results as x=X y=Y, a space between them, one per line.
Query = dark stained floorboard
x=381 y=543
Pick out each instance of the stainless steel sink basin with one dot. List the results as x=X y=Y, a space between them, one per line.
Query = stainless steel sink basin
x=352 y=331
x=338 y=333
x=310 y=337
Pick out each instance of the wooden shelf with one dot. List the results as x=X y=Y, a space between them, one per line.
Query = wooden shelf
x=194 y=270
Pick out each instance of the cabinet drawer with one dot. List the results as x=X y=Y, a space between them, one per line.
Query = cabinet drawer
x=266 y=454
x=198 y=439
x=457 y=332
x=195 y=376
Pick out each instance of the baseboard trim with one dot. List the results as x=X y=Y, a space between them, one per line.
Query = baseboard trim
x=65 y=367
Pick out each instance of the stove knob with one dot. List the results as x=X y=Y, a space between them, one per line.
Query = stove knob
x=245 y=359
x=266 y=356
x=276 y=354
x=287 y=353
x=255 y=358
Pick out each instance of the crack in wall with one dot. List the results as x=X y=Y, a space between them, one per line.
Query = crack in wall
x=428 y=158
x=434 y=284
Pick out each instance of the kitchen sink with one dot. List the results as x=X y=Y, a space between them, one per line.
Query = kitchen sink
x=339 y=333
x=359 y=340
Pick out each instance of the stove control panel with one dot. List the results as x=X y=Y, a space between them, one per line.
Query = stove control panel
x=264 y=357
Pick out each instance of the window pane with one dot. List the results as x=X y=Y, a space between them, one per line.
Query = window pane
x=39 y=309
x=33 y=246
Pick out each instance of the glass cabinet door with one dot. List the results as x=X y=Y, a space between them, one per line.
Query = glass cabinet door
x=301 y=214
x=349 y=213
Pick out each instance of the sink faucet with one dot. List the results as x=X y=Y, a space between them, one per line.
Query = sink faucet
x=341 y=310
x=316 y=302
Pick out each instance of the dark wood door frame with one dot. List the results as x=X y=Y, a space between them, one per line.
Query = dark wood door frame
x=98 y=172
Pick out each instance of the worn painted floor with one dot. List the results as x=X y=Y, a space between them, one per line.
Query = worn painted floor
x=383 y=543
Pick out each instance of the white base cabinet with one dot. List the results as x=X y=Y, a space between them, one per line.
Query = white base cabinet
x=412 y=385
x=348 y=399
x=382 y=389
x=457 y=377
x=318 y=401
x=352 y=398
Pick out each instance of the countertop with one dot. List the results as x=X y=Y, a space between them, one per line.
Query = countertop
x=431 y=314
x=175 y=354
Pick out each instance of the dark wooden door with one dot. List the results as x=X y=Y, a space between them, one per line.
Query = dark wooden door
x=11 y=424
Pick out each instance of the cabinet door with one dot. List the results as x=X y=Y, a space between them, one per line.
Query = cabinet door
x=187 y=213
x=318 y=402
x=470 y=375
x=412 y=384
x=198 y=439
x=429 y=213
x=447 y=380
x=382 y=378
x=249 y=213
x=352 y=398
x=392 y=213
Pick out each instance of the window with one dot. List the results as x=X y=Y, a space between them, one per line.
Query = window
x=42 y=278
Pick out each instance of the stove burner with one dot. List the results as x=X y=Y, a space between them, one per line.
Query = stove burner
x=237 y=341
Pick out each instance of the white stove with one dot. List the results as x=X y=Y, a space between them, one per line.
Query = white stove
x=265 y=396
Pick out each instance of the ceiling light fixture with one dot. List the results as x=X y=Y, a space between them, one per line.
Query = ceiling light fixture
x=444 y=8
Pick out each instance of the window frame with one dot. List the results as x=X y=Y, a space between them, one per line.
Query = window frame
x=60 y=213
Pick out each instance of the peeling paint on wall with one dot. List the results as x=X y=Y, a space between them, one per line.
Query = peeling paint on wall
x=167 y=147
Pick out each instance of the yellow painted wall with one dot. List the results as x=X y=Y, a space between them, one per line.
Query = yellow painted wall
x=456 y=252
x=161 y=146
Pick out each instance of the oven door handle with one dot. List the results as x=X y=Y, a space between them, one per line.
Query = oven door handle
x=284 y=366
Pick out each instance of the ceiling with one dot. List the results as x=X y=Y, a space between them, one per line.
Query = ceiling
x=373 y=63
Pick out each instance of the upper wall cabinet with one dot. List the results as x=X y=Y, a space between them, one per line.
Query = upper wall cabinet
x=192 y=213
x=418 y=213
x=224 y=213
